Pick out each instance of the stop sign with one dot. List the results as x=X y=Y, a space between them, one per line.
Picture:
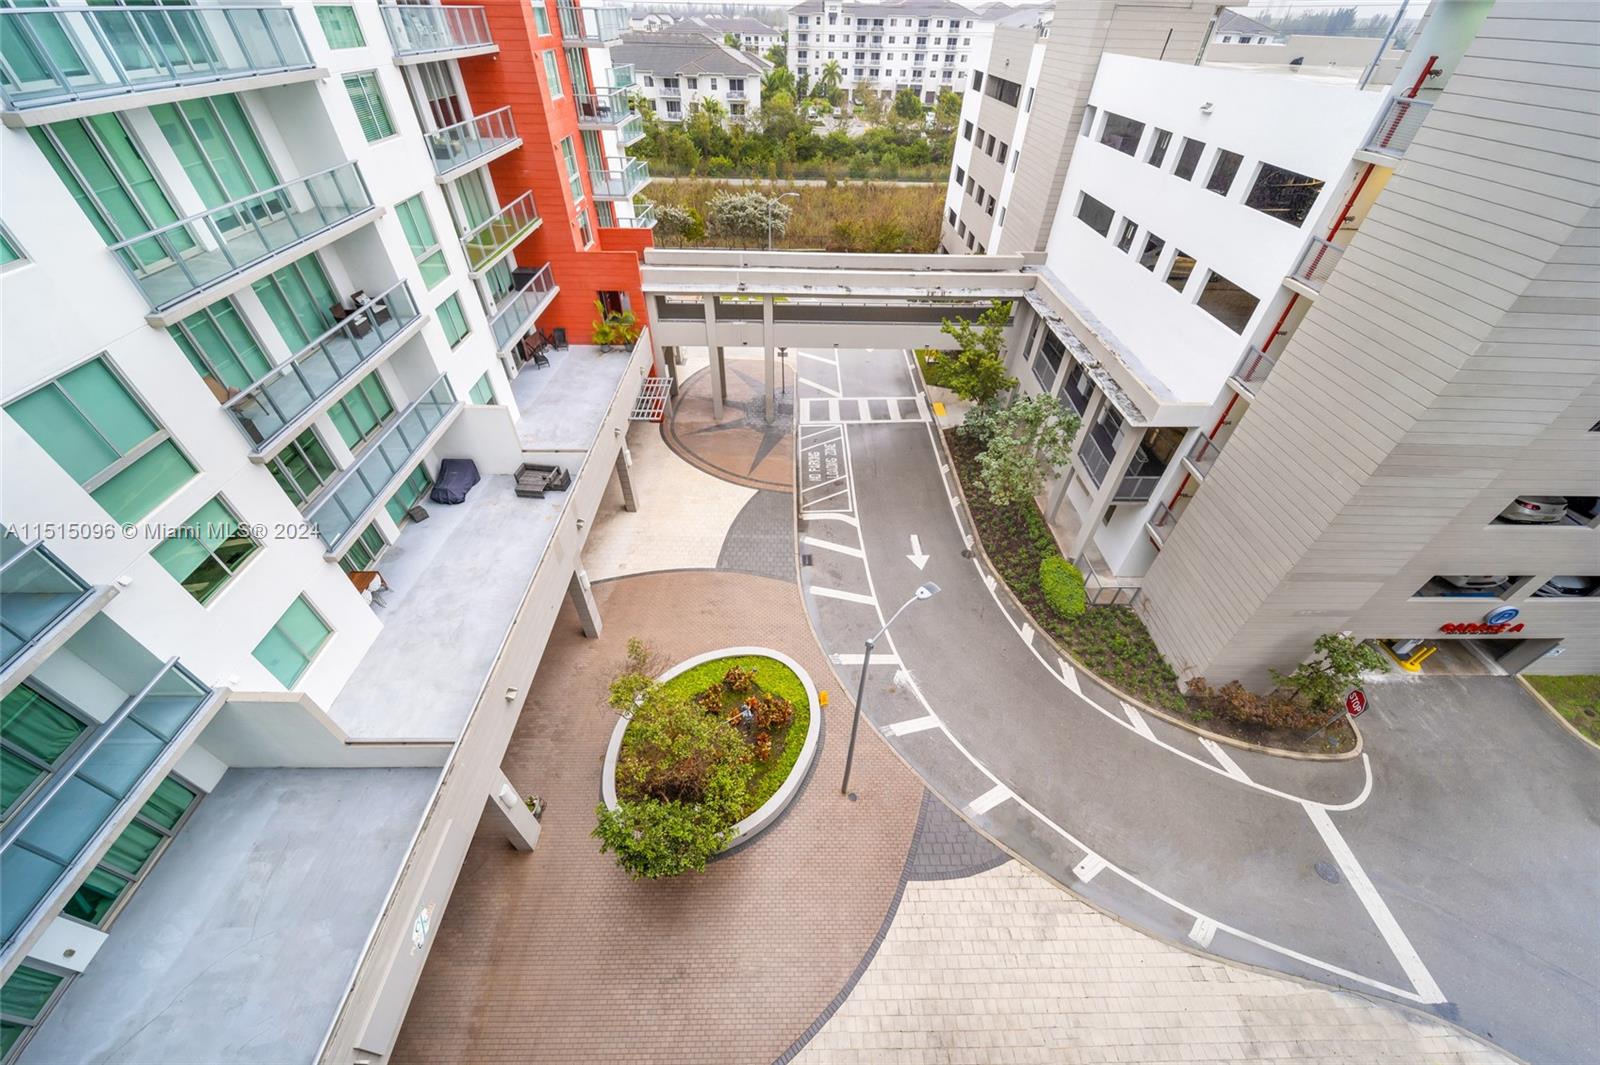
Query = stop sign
x=1355 y=702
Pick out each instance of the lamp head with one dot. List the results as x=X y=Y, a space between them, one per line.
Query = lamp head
x=928 y=591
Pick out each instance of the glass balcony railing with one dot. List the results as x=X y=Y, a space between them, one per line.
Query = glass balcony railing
x=1253 y=370
x=517 y=311
x=346 y=502
x=37 y=590
x=55 y=55
x=1162 y=522
x=426 y=29
x=268 y=406
x=1317 y=263
x=1398 y=126
x=601 y=110
x=459 y=145
x=671 y=92
x=622 y=75
x=644 y=217
x=46 y=839
x=620 y=184
x=1202 y=456
x=591 y=25
x=177 y=261
x=630 y=131
x=488 y=242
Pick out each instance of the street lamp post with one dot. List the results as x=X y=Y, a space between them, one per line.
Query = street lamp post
x=771 y=203
x=927 y=591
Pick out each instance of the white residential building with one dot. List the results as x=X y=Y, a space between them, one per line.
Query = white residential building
x=675 y=73
x=753 y=34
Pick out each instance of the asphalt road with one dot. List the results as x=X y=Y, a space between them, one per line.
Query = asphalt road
x=1452 y=869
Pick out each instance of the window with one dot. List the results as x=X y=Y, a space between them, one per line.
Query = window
x=419 y=234
x=541 y=18
x=961 y=175
x=133 y=854
x=411 y=490
x=977 y=80
x=1227 y=302
x=1002 y=219
x=453 y=318
x=220 y=346
x=361 y=411
x=1007 y=92
x=9 y=252
x=302 y=467
x=1223 y=171
x=105 y=439
x=1000 y=153
x=99 y=154
x=1094 y=214
x=25 y=998
x=1178 y=273
x=1029 y=106
x=1016 y=157
x=365 y=551
x=299 y=300
x=988 y=148
x=1188 y=158
x=35 y=734
x=1076 y=388
x=371 y=111
x=289 y=646
x=220 y=152
x=950 y=213
x=585 y=230
x=1159 y=143
x=1125 y=239
x=570 y=155
x=483 y=392
x=1048 y=362
x=339 y=25
x=552 y=75
x=1152 y=251
x=1121 y=133
x=207 y=550
x=1283 y=194
x=1088 y=121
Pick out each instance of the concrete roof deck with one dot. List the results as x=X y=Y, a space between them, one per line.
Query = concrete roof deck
x=563 y=404
x=240 y=942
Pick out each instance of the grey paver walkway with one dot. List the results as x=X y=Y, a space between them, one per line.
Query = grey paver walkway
x=761 y=538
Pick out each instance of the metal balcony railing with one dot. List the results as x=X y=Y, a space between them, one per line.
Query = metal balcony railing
x=459 y=145
x=1398 y=126
x=1253 y=370
x=738 y=94
x=605 y=109
x=56 y=55
x=1095 y=456
x=280 y=397
x=1202 y=456
x=190 y=255
x=644 y=217
x=49 y=835
x=671 y=92
x=594 y=26
x=345 y=503
x=517 y=311
x=424 y=29
x=622 y=75
x=620 y=184
x=630 y=131
x=487 y=243
x=1137 y=487
x=37 y=590
x=1317 y=263
x=1162 y=522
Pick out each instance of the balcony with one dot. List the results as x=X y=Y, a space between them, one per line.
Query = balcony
x=426 y=32
x=622 y=75
x=346 y=504
x=41 y=602
x=737 y=95
x=279 y=404
x=593 y=27
x=1162 y=522
x=1398 y=127
x=620 y=184
x=601 y=110
x=179 y=261
x=644 y=217
x=1202 y=456
x=1316 y=265
x=1096 y=454
x=1251 y=372
x=65 y=62
x=56 y=829
x=671 y=92
x=630 y=131
x=517 y=312
x=490 y=241
x=465 y=145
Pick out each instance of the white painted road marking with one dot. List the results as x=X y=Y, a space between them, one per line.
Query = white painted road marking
x=1089 y=868
x=1203 y=931
x=849 y=597
x=879 y=658
x=1070 y=676
x=819 y=358
x=988 y=800
x=829 y=545
x=819 y=386
x=918 y=559
x=1392 y=933
x=916 y=724
x=1026 y=633
x=1136 y=719
x=1228 y=765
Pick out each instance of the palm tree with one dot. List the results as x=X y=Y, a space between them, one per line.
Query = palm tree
x=778 y=79
x=828 y=83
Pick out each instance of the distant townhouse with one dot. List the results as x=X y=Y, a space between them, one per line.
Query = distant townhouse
x=675 y=73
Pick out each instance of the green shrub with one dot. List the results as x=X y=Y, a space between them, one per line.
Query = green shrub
x=654 y=839
x=1063 y=586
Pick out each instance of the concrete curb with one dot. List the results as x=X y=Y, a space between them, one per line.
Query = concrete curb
x=1169 y=718
x=1553 y=712
x=768 y=812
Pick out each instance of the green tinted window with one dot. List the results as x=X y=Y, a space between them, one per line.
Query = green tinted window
x=290 y=645
x=207 y=550
x=95 y=899
x=339 y=25
x=368 y=546
x=166 y=807
x=133 y=848
x=410 y=491
x=300 y=299
x=220 y=152
x=454 y=319
x=371 y=112
x=413 y=215
x=302 y=467
x=541 y=18
x=27 y=991
x=362 y=410
x=8 y=249
x=483 y=392
x=218 y=344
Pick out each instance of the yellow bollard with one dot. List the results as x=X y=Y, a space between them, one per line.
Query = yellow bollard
x=822 y=697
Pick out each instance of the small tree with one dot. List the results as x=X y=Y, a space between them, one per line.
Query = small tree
x=731 y=40
x=777 y=56
x=907 y=105
x=947 y=110
x=746 y=215
x=976 y=371
x=1323 y=681
x=654 y=839
x=1025 y=442
x=679 y=224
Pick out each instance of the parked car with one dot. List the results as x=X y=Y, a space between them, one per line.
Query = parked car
x=1535 y=510
x=1564 y=587
x=1469 y=584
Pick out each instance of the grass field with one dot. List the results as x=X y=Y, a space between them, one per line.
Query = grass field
x=1575 y=698
x=847 y=217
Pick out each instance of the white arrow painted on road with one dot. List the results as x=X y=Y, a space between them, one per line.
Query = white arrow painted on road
x=918 y=559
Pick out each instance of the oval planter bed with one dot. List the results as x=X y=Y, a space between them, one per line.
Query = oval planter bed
x=734 y=685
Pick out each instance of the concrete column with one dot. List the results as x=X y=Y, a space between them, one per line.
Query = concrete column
x=658 y=353
x=769 y=340
x=1127 y=447
x=508 y=809
x=630 y=502
x=719 y=379
x=582 y=597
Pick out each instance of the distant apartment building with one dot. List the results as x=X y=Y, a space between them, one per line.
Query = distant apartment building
x=675 y=74
x=269 y=273
x=753 y=34
x=1235 y=27
x=924 y=45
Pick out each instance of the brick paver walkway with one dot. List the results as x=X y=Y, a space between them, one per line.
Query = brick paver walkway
x=557 y=956
x=1006 y=967
x=740 y=447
